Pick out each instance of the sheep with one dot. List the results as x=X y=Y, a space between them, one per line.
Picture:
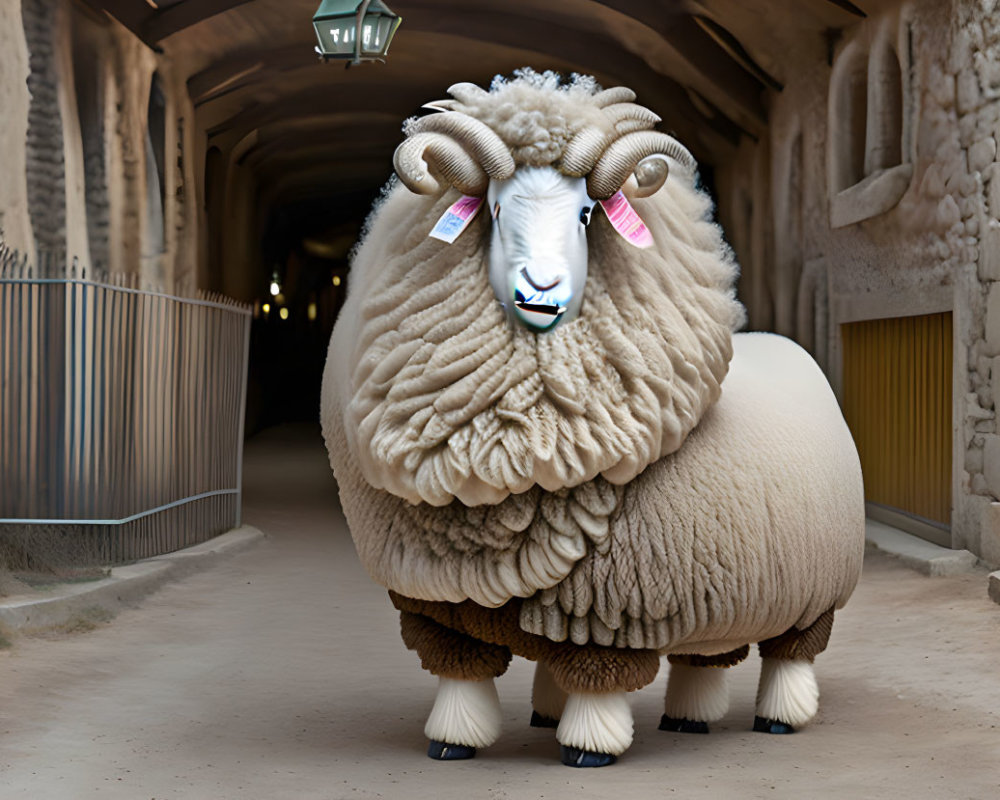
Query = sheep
x=550 y=443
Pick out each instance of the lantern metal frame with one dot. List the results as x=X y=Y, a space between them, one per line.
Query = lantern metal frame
x=357 y=57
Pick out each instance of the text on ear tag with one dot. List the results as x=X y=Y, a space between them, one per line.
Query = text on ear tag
x=626 y=221
x=456 y=219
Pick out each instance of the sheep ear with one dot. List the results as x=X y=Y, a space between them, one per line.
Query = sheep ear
x=650 y=174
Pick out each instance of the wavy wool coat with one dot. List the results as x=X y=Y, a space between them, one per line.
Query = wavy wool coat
x=740 y=517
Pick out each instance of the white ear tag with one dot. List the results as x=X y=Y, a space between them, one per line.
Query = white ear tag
x=456 y=219
x=626 y=221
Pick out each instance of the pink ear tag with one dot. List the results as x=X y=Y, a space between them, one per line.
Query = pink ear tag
x=626 y=221
x=456 y=219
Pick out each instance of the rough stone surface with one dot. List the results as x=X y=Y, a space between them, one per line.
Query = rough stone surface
x=991 y=463
x=993 y=319
x=982 y=154
x=989 y=543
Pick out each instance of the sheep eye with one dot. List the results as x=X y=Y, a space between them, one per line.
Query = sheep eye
x=585 y=215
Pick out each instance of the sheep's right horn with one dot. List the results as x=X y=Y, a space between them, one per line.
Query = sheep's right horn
x=446 y=158
x=478 y=138
x=624 y=155
x=467 y=93
x=617 y=94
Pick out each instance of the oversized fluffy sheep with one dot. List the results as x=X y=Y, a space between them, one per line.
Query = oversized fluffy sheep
x=549 y=442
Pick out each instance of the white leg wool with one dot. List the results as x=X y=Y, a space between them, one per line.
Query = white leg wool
x=547 y=698
x=599 y=723
x=465 y=712
x=699 y=694
x=787 y=692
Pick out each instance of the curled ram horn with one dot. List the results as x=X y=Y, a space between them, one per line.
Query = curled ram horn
x=643 y=153
x=617 y=94
x=460 y=149
x=583 y=151
x=440 y=105
x=629 y=117
x=424 y=158
x=587 y=146
x=467 y=93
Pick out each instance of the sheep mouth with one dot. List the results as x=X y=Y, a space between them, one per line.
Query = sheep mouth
x=537 y=316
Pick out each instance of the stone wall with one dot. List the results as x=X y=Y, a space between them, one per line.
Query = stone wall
x=74 y=88
x=971 y=204
x=46 y=166
x=15 y=217
x=914 y=237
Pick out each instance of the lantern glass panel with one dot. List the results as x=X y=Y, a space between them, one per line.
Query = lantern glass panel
x=375 y=33
x=336 y=36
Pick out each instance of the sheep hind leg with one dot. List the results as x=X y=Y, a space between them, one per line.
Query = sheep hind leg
x=466 y=715
x=547 y=699
x=788 y=695
x=698 y=690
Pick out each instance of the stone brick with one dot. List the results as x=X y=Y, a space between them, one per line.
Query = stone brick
x=967 y=91
x=948 y=212
x=974 y=460
x=982 y=154
x=942 y=88
x=989 y=252
x=993 y=321
x=991 y=463
x=991 y=176
x=989 y=536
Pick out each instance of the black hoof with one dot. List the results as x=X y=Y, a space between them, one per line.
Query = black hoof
x=442 y=751
x=541 y=721
x=682 y=725
x=575 y=757
x=762 y=725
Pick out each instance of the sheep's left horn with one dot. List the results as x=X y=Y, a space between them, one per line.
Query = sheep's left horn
x=623 y=156
x=423 y=157
x=478 y=138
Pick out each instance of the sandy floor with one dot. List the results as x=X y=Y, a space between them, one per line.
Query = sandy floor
x=280 y=674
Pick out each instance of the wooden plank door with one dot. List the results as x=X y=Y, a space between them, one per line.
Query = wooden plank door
x=897 y=402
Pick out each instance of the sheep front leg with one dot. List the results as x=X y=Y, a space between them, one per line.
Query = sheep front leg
x=788 y=695
x=698 y=690
x=466 y=714
x=596 y=723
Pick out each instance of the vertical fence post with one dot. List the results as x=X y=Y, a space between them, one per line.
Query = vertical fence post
x=114 y=400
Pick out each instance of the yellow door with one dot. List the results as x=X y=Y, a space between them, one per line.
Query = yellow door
x=897 y=401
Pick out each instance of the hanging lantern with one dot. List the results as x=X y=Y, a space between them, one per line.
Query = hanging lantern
x=358 y=30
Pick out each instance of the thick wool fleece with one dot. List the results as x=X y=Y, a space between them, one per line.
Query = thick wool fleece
x=755 y=526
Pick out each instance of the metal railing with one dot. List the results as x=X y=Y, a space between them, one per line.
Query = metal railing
x=121 y=415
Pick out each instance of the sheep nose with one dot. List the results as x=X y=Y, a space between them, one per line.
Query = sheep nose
x=540 y=280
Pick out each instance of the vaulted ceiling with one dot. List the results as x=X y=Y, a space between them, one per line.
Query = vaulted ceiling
x=308 y=128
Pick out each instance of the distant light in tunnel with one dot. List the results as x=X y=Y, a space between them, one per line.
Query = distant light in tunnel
x=359 y=30
x=283 y=313
x=311 y=312
x=266 y=308
x=275 y=288
x=336 y=280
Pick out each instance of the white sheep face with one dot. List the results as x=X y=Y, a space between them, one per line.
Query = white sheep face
x=538 y=252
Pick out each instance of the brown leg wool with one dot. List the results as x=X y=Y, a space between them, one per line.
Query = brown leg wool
x=730 y=659
x=800 y=645
x=450 y=654
x=466 y=630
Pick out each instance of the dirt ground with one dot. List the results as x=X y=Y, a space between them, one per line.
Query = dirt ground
x=280 y=674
